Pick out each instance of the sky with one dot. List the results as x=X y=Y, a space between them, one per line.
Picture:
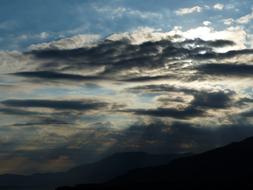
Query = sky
x=83 y=79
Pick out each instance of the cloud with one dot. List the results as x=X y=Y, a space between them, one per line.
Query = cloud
x=157 y=137
x=142 y=35
x=182 y=106
x=228 y=21
x=198 y=42
x=121 y=60
x=224 y=56
x=50 y=75
x=78 y=41
x=198 y=9
x=39 y=122
x=7 y=25
x=218 y=6
x=245 y=19
x=40 y=36
x=208 y=99
x=56 y=104
x=190 y=10
x=147 y=79
x=186 y=113
x=207 y=23
x=229 y=70
x=24 y=165
x=236 y=34
x=241 y=20
x=216 y=100
x=248 y=113
x=14 y=111
x=12 y=61
x=118 y=12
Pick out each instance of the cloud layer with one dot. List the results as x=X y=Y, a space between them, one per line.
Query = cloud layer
x=165 y=92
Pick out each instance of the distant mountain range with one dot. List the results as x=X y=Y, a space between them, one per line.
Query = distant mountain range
x=98 y=172
x=228 y=167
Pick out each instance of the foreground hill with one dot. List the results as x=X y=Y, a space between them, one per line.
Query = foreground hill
x=98 y=172
x=228 y=167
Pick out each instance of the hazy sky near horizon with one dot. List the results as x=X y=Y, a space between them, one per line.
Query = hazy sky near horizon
x=82 y=79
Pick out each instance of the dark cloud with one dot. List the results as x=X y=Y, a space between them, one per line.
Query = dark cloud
x=219 y=43
x=84 y=105
x=42 y=122
x=14 y=111
x=226 y=69
x=214 y=100
x=197 y=107
x=147 y=78
x=114 y=57
x=155 y=137
x=201 y=98
x=42 y=118
x=248 y=113
x=186 y=113
x=212 y=43
x=160 y=88
x=219 y=56
x=166 y=100
x=158 y=137
x=202 y=101
x=50 y=75
x=244 y=101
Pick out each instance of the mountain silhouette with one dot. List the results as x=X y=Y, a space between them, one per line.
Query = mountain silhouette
x=228 y=167
x=98 y=172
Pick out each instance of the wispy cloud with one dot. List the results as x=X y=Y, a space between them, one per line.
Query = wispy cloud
x=68 y=43
x=245 y=19
x=218 y=6
x=190 y=10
